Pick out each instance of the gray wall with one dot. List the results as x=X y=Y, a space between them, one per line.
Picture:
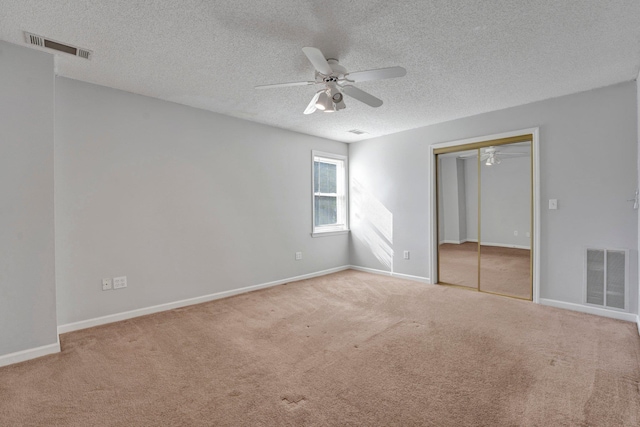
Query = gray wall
x=452 y=204
x=588 y=161
x=505 y=203
x=451 y=211
x=27 y=276
x=462 y=200
x=471 y=187
x=182 y=201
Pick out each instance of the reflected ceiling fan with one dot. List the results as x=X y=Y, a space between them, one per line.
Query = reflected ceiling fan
x=492 y=155
x=336 y=82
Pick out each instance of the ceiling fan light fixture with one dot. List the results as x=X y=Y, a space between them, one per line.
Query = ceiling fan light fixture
x=331 y=108
x=324 y=103
x=492 y=159
x=334 y=78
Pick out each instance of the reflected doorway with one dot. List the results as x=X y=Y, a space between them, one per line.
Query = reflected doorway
x=484 y=216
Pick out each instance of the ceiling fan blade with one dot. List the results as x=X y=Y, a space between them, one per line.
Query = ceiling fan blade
x=311 y=108
x=361 y=96
x=382 y=73
x=474 y=156
x=285 y=85
x=317 y=59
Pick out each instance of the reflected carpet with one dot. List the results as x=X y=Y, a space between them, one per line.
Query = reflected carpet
x=503 y=270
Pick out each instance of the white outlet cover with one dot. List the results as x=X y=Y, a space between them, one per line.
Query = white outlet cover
x=406 y=254
x=120 y=282
x=298 y=256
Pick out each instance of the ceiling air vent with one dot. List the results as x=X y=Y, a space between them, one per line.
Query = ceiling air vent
x=357 y=131
x=40 y=41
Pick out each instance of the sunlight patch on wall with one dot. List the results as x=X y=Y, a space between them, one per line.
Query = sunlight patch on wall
x=372 y=224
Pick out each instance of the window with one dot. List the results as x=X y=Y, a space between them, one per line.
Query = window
x=329 y=193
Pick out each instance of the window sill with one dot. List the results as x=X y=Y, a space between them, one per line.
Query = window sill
x=329 y=233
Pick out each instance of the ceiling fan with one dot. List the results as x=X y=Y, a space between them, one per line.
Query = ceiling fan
x=336 y=82
x=492 y=155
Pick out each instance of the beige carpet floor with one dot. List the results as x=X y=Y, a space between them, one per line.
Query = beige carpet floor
x=347 y=349
x=504 y=271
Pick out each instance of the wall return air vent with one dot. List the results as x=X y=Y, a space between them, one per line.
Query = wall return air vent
x=44 y=42
x=606 y=278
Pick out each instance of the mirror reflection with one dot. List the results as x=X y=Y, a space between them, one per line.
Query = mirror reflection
x=484 y=219
x=505 y=218
x=458 y=219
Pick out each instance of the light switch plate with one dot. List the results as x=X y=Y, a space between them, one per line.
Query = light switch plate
x=553 y=203
x=107 y=285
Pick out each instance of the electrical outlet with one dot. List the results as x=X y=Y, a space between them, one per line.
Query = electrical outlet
x=119 y=282
x=406 y=255
x=515 y=233
x=298 y=256
x=107 y=285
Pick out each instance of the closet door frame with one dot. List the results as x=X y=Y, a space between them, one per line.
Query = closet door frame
x=524 y=135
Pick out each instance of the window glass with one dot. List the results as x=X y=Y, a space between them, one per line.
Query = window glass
x=329 y=193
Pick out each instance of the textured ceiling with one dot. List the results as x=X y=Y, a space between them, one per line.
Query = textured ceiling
x=462 y=57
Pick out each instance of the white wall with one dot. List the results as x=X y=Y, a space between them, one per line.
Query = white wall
x=588 y=161
x=27 y=276
x=182 y=201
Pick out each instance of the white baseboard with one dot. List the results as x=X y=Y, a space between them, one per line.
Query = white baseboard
x=97 y=321
x=392 y=274
x=630 y=317
x=506 y=245
x=500 y=245
x=638 y=322
x=32 y=353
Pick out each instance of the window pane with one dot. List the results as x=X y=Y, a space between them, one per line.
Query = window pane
x=326 y=210
x=324 y=177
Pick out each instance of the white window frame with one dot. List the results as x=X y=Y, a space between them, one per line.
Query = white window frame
x=342 y=194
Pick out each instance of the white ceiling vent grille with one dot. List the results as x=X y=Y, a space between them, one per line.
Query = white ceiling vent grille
x=33 y=39
x=40 y=41
x=606 y=278
x=357 y=131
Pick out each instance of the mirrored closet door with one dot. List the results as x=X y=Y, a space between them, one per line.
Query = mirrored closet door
x=484 y=197
x=458 y=219
x=505 y=220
